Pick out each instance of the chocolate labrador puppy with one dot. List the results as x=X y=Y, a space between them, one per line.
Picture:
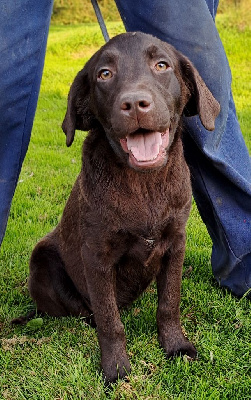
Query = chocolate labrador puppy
x=124 y=223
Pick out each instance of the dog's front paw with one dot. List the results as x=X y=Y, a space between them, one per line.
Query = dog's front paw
x=178 y=346
x=185 y=348
x=115 y=368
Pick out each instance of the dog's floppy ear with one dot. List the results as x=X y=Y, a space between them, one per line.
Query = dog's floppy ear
x=78 y=114
x=201 y=100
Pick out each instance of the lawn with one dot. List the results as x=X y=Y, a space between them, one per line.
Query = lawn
x=60 y=359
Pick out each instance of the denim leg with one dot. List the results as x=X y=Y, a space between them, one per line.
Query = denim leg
x=219 y=161
x=24 y=28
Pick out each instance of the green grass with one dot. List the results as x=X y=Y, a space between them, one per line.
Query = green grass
x=61 y=358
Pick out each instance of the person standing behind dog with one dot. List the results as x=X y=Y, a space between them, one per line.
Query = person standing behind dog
x=219 y=161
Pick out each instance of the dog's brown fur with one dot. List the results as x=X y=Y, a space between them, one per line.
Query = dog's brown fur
x=124 y=223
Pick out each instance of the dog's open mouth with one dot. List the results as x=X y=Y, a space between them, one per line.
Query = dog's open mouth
x=146 y=149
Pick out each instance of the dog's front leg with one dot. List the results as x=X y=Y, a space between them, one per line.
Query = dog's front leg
x=170 y=334
x=101 y=281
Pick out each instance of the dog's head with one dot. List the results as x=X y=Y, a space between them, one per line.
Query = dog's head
x=137 y=87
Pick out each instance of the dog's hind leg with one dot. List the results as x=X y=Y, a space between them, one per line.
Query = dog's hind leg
x=50 y=287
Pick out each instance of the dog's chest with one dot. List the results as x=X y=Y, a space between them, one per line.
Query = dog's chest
x=140 y=205
x=142 y=247
x=138 y=266
x=147 y=243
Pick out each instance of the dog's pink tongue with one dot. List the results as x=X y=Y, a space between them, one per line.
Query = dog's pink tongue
x=144 y=147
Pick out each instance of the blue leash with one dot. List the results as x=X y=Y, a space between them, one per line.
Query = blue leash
x=100 y=20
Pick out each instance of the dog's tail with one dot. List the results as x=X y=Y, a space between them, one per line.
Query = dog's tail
x=24 y=319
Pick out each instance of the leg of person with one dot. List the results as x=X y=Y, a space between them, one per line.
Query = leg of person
x=23 y=31
x=219 y=160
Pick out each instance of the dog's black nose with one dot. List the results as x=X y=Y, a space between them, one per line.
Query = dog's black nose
x=136 y=103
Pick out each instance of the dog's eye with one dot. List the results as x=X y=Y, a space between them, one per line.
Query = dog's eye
x=161 y=66
x=105 y=74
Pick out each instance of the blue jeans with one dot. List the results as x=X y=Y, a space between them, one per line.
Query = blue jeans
x=24 y=28
x=219 y=160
